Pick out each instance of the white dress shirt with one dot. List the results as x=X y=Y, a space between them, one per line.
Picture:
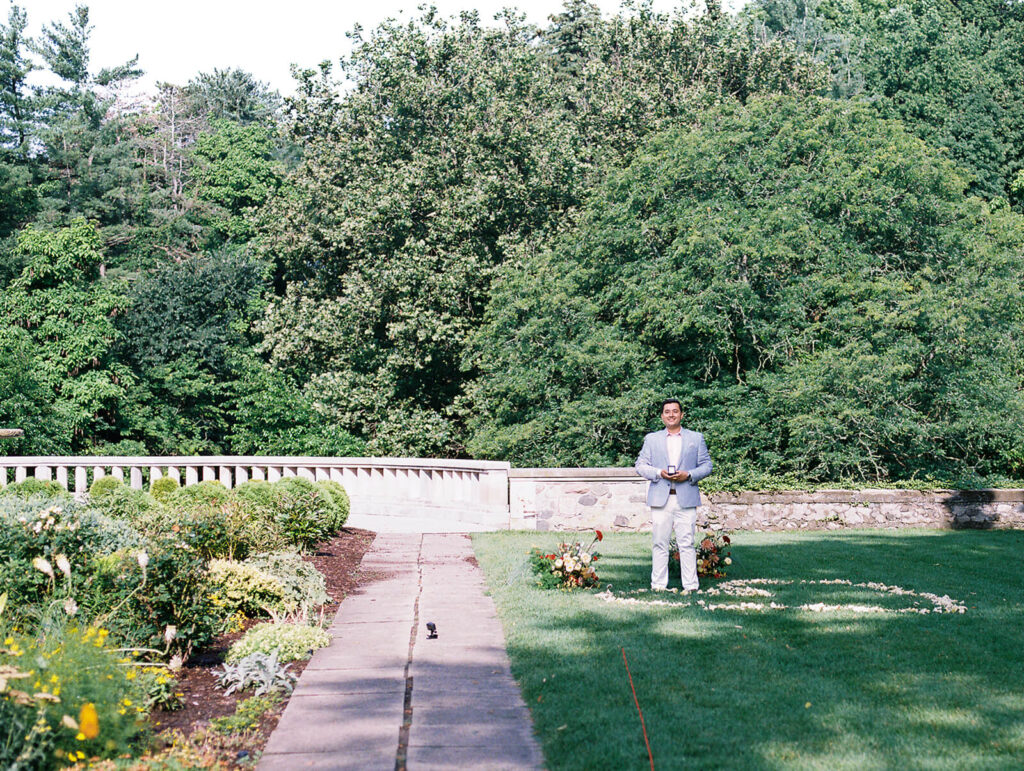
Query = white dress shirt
x=674 y=444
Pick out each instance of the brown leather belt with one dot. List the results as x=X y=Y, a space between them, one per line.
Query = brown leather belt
x=671 y=492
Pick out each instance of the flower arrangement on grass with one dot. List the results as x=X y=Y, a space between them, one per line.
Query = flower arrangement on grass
x=713 y=555
x=570 y=566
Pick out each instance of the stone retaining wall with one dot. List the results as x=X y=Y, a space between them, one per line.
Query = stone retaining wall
x=615 y=499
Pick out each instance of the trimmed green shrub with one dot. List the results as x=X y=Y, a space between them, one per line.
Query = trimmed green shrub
x=122 y=502
x=302 y=511
x=34 y=488
x=293 y=642
x=163 y=487
x=242 y=586
x=104 y=486
x=257 y=501
x=217 y=531
x=341 y=504
x=210 y=492
x=303 y=585
x=256 y=496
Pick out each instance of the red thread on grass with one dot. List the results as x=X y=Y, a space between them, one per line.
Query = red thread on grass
x=639 y=711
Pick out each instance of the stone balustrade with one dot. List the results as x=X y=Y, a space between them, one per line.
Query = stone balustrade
x=469 y=491
x=494 y=495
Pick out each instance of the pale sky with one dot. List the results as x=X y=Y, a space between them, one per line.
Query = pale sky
x=176 y=40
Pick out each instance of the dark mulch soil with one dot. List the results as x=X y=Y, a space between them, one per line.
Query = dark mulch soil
x=338 y=559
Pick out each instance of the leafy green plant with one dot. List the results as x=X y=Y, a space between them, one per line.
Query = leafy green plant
x=122 y=502
x=302 y=512
x=163 y=604
x=64 y=697
x=104 y=486
x=242 y=586
x=256 y=500
x=35 y=529
x=302 y=584
x=163 y=487
x=261 y=671
x=335 y=493
x=255 y=495
x=291 y=642
x=209 y=492
x=216 y=531
x=160 y=686
x=35 y=488
x=247 y=716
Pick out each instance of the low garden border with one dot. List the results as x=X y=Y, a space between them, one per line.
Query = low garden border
x=495 y=495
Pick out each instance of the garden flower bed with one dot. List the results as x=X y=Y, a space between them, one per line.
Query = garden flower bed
x=145 y=629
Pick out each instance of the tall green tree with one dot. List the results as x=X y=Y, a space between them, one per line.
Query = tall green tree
x=810 y=280
x=185 y=335
x=952 y=71
x=89 y=164
x=67 y=311
x=233 y=95
x=454 y=142
x=17 y=104
x=235 y=171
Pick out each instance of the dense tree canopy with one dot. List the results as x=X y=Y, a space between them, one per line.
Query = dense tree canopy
x=950 y=69
x=809 y=279
x=457 y=143
x=508 y=241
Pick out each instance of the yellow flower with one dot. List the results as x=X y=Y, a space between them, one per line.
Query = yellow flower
x=131 y=674
x=89 y=721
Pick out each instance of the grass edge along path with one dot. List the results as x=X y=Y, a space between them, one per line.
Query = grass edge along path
x=789 y=688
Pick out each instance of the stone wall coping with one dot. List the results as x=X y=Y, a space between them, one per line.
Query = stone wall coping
x=253 y=460
x=838 y=495
x=866 y=496
x=576 y=474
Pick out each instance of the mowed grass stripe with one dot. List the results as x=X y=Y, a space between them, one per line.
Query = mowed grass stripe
x=729 y=689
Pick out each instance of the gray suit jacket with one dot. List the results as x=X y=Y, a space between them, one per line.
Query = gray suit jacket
x=653 y=459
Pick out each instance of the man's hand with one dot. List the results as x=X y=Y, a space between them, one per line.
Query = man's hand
x=679 y=476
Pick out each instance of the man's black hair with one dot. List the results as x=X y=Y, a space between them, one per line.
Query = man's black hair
x=667 y=402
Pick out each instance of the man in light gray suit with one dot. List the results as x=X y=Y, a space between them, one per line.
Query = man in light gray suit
x=674 y=460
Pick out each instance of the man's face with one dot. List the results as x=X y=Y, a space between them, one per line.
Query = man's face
x=671 y=416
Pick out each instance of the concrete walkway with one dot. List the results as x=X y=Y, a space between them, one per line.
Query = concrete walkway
x=384 y=696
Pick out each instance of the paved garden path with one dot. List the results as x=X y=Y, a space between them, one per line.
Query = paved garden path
x=384 y=696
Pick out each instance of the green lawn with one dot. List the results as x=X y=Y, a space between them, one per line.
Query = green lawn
x=783 y=688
